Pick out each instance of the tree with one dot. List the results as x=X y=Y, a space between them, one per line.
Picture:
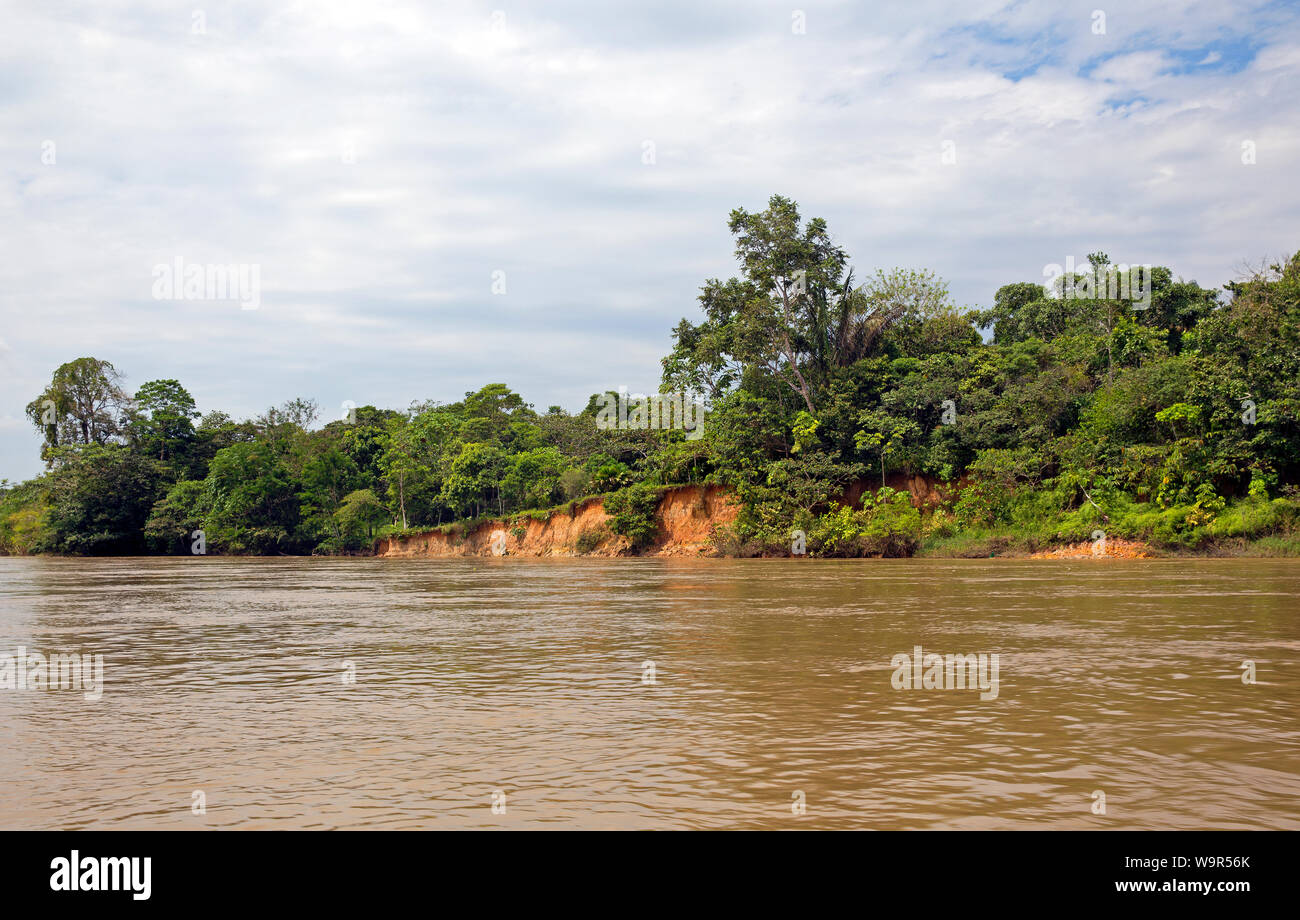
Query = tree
x=254 y=505
x=532 y=479
x=24 y=512
x=298 y=413
x=794 y=314
x=359 y=514
x=82 y=404
x=162 y=418
x=475 y=478
x=174 y=518
x=774 y=316
x=216 y=430
x=327 y=476
x=1082 y=411
x=400 y=462
x=887 y=299
x=1009 y=317
x=884 y=435
x=101 y=497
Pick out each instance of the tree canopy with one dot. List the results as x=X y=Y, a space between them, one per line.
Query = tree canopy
x=1174 y=417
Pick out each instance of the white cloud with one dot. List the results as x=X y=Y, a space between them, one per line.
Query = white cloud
x=521 y=150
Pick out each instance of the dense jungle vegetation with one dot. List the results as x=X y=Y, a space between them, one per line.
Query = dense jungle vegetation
x=1039 y=420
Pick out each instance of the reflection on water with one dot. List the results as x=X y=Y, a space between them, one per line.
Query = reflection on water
x=771 y=678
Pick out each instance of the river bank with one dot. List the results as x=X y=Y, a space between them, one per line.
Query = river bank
x=686 y=516
x=689 y=518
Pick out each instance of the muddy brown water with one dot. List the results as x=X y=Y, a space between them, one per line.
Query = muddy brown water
x=524 y=685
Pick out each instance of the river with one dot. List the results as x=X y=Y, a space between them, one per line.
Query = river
x=651 y=693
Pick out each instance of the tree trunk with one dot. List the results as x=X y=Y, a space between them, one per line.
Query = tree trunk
x=792 y=357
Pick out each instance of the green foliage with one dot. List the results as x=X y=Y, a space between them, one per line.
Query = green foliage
x=884 y=435
x=174 y=518
x=254 y=505
x=805 y=432
x=632 y=513
x=574 y=483
x=1175 y=420
x=83 y=404
x=532 y=479
x=101 y=496
x=887 y=525
x=589 y=539
x=359 y=516
x=161 y=419
x=611 y=476
x=24 y=513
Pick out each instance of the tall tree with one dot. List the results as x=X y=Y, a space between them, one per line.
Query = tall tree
x=162 y=418
x=793 y=314
x=82 y=404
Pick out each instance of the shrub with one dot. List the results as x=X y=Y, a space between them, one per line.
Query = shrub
x=633 y=513
x=941 y=525
x=611 y=476
x=574 y=483
x=176 y=516
x=1255 y=517
x=23 y=520
x=888 y=525
x=740 y=542
x=589 y=539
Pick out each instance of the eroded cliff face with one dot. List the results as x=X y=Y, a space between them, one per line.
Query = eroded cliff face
x=687 y=517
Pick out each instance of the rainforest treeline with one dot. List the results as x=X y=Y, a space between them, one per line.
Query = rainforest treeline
x=1172 y=419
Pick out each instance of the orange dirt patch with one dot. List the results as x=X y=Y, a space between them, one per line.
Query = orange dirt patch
x=1114 y=549
x=687 y=517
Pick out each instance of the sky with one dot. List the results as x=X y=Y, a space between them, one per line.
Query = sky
x=434 y=197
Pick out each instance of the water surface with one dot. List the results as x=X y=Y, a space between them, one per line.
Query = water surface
x=772 y=679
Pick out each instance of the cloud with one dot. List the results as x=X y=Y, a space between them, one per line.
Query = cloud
x=382 y=162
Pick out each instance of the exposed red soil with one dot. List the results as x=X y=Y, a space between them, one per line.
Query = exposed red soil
x=687 y=518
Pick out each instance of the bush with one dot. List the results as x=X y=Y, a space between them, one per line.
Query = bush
x=979 y=504
x=24 y=526
x=1256 y=517
x=176 y=516
x=888 y=525
x=574 y=483
x=741 y=542
x=633 y=513
x=611 y=476
x=101 y=497
x=589 y=539
x=941 y=525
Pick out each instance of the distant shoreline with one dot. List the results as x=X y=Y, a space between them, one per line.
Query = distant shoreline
x=1249 y=551
x=694 y=521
